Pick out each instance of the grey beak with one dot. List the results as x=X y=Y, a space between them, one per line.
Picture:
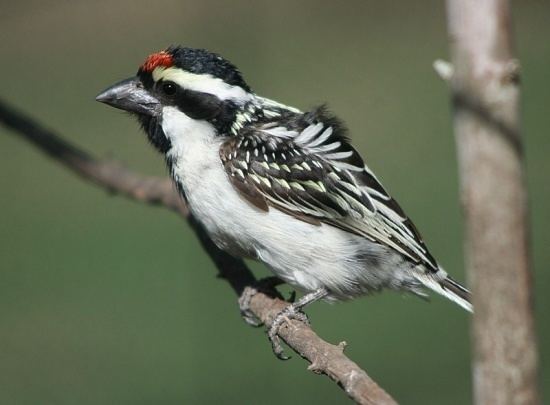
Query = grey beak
x=130 y=95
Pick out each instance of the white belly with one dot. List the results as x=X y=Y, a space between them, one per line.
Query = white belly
x=304 y=255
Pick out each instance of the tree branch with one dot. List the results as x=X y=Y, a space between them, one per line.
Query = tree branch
x=324 y=357
x=485 y=86
x=444 y=69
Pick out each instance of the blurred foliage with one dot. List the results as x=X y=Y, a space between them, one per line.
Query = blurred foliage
x=103 y=300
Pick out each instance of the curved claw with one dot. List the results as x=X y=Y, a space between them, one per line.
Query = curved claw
x=290 y=312
x=267 y=284
x=244 y=306
x=293 y=311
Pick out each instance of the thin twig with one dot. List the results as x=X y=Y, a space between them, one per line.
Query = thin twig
x=444 y=69
x=324 y=357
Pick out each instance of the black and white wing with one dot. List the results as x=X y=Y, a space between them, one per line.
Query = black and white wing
x=305 y=167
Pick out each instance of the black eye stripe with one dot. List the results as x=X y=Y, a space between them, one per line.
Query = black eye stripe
x=197 y=105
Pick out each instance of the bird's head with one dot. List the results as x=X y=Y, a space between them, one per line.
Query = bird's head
x=195 y=82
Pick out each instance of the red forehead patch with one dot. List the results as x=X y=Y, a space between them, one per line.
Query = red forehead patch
x=156 y=60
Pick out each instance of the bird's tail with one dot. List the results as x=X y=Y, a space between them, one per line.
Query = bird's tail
x=450 y=289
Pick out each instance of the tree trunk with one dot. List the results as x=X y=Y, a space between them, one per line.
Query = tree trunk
x=485 y=85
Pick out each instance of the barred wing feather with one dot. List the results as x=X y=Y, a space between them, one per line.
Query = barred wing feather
x=309 y=170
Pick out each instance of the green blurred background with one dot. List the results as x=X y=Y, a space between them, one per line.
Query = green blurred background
x=106 y=301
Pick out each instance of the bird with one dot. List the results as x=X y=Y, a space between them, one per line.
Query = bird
x=278 y=185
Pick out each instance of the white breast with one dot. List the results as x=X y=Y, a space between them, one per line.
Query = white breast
x=304 y=255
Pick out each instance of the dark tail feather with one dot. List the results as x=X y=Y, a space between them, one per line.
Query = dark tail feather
x=447 y=287
x=458 y=290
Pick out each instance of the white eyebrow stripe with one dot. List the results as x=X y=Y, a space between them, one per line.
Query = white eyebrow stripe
x=204 y=83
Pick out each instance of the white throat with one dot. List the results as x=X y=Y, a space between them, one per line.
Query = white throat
x=194 y=146
x=185 y=133
x=198 y=170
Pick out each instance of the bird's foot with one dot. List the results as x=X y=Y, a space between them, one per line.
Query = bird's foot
x=244 y=305
x=290 y=312
x=293 y=311
x=264 y=285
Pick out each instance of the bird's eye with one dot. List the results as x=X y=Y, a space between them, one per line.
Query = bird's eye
x=169 y=88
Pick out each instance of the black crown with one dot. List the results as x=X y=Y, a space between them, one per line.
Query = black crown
x=201 y=61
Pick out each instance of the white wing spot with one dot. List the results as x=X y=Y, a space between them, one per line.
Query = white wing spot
x=322 y=138
x=339 y=155
x=297 y=186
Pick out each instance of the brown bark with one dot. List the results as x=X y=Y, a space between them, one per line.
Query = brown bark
x=485 y=86
x=324 y=357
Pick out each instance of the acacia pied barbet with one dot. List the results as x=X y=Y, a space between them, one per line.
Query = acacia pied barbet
x=272 y=183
